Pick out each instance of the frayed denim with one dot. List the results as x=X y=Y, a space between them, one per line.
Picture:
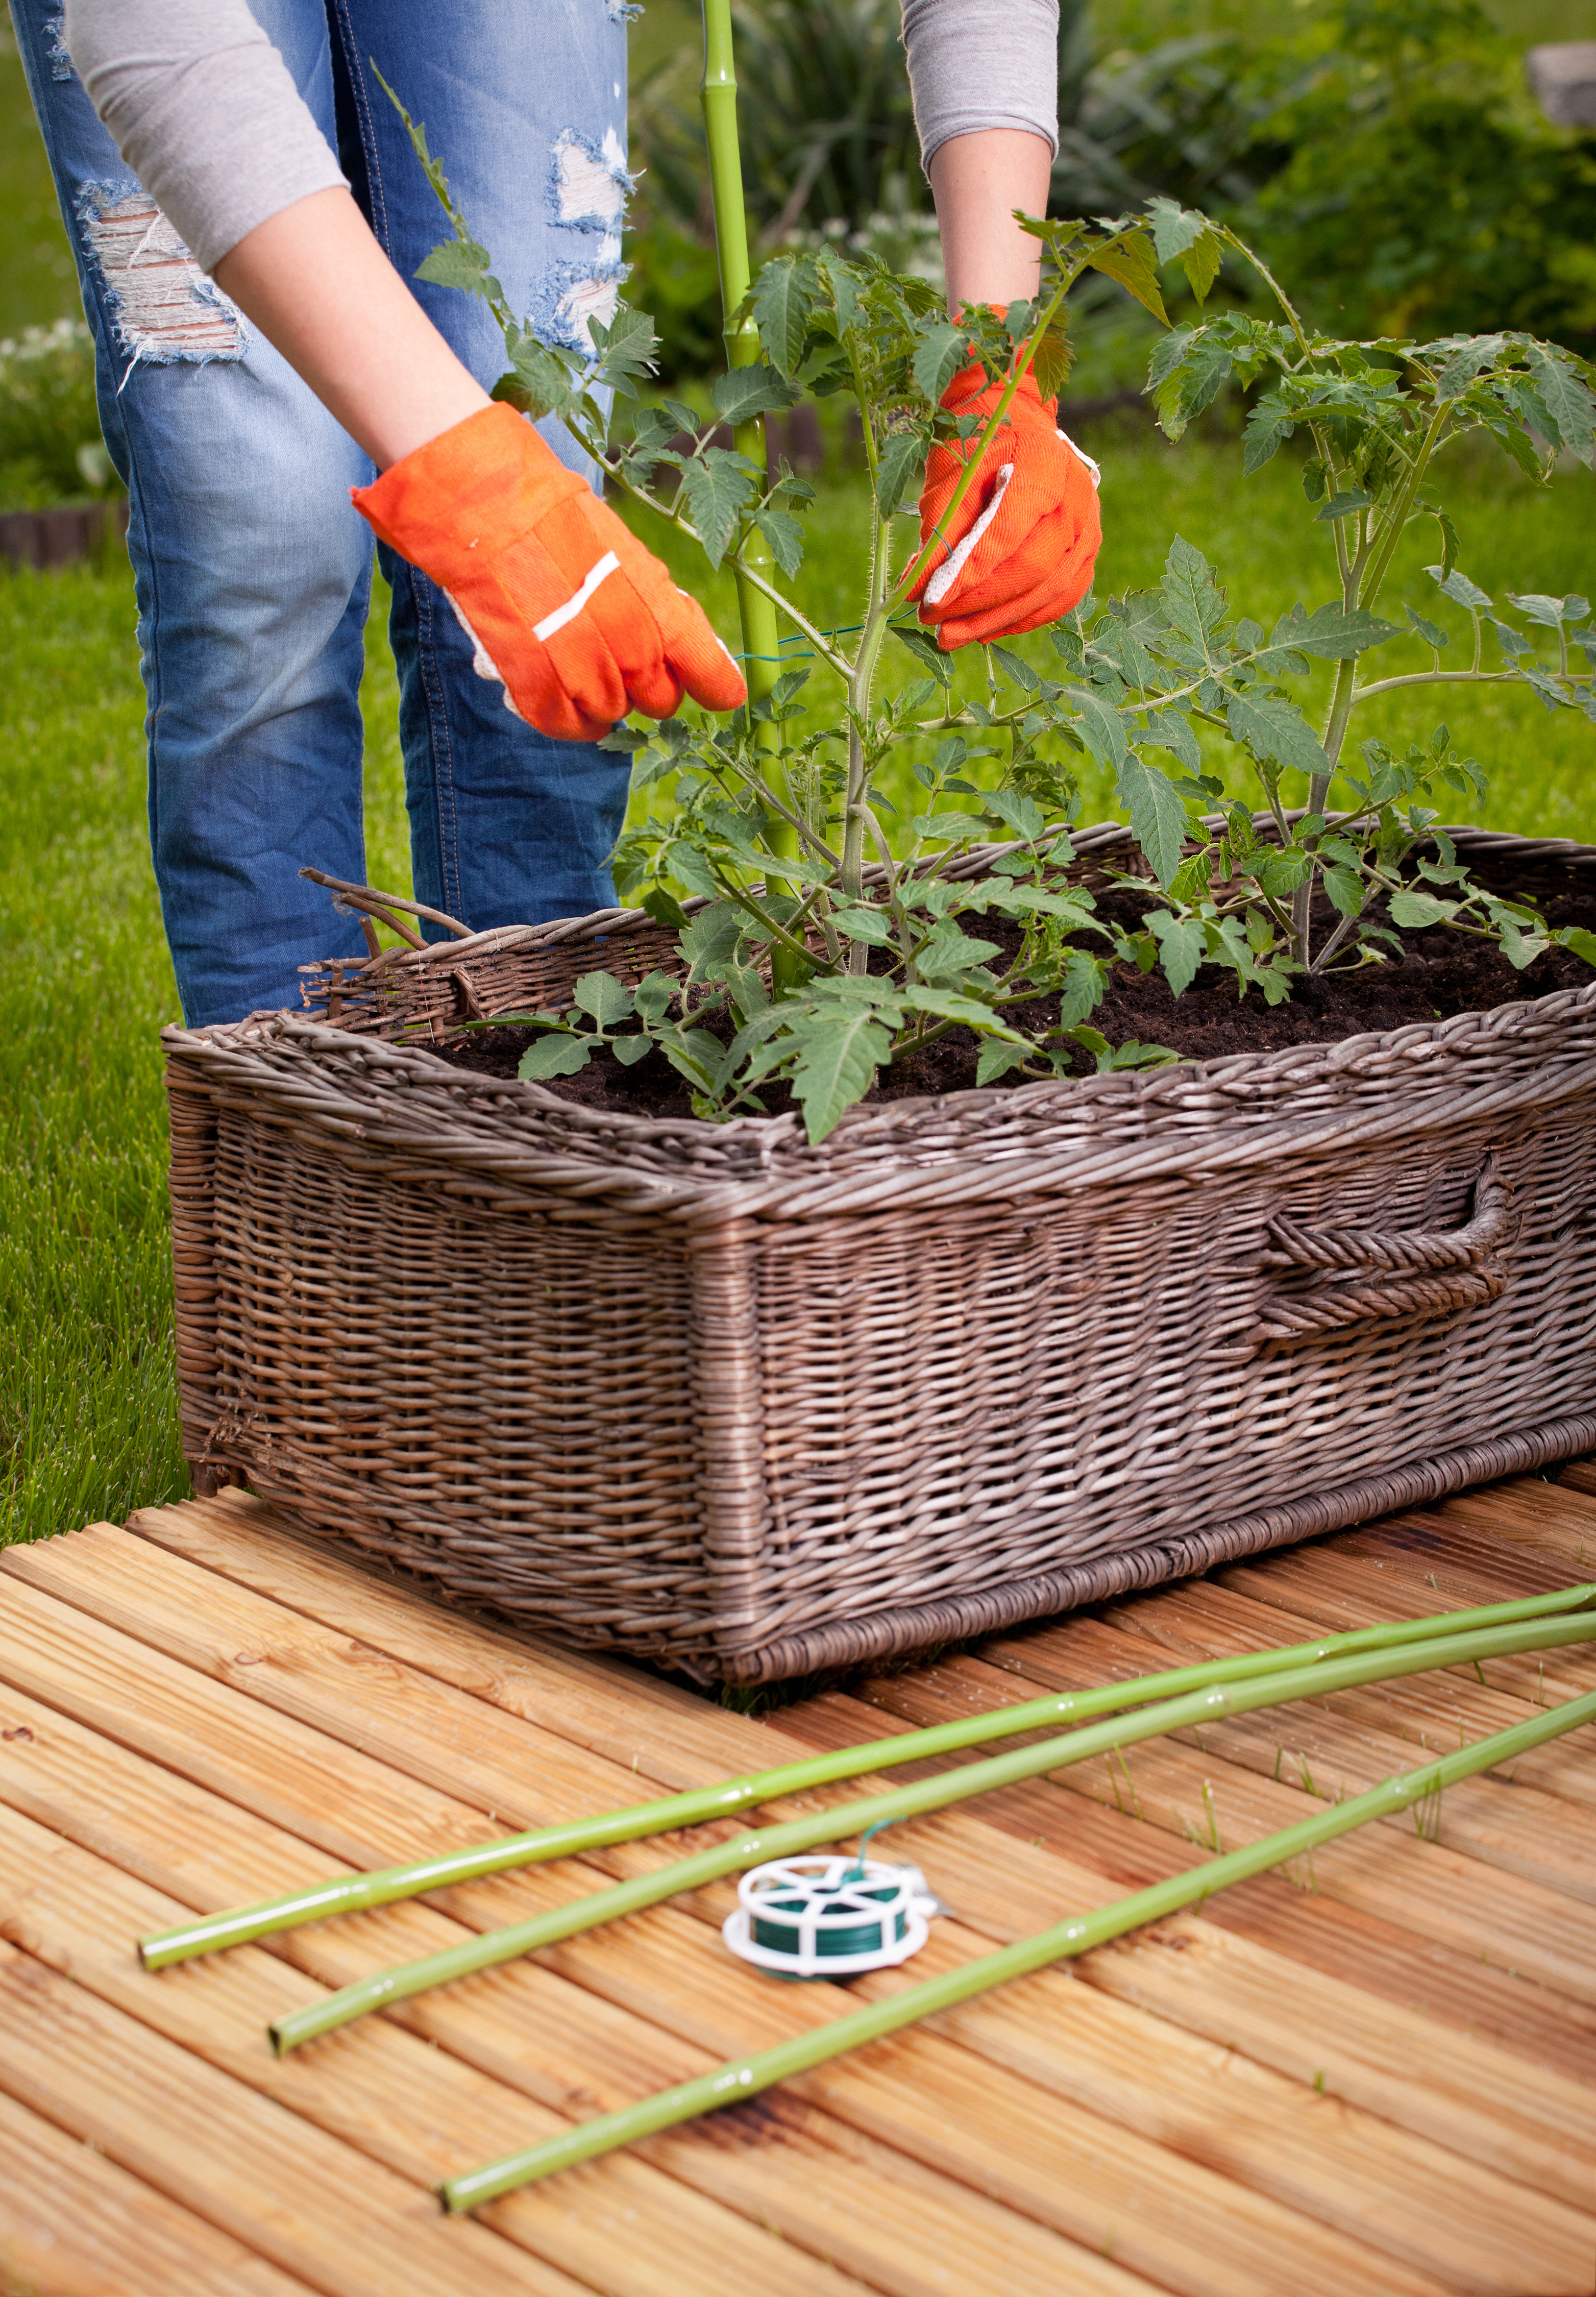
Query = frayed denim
x=254 y=570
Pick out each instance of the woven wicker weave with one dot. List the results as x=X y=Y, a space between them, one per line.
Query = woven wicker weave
x=710 y=1394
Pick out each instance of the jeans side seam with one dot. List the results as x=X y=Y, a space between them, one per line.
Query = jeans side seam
x=443 y=761
x=358 y=97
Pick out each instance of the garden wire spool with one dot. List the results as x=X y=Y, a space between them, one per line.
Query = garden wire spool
x=830 y=1917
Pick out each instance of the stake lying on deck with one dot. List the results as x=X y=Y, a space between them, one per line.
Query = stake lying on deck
x=842 y=1822
x=352 y=1894
x=742 y=2077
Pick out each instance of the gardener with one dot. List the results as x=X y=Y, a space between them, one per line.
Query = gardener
x=242 y=413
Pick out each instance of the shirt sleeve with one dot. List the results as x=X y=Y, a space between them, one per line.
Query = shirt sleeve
x=203 y=110
x=982 y=63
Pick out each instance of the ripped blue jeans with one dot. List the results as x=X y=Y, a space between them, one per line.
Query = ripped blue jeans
x=254 y=570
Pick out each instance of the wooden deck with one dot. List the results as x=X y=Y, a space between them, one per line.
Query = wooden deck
x=1384 y=2084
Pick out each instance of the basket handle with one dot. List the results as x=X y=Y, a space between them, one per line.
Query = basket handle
x=1370 y=1272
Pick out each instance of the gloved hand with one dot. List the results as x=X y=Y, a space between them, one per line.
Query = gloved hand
x=1022 y=548
x=577 y=621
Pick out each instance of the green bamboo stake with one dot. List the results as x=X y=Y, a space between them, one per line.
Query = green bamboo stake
x=1214 y=1705
x=744 y=2078
x=350 y=1894
x=756 y=610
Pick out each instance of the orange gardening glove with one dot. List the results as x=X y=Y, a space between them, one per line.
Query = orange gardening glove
x=577 y=621
x=1020 y=549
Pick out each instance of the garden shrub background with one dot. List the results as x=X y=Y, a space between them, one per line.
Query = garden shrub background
x=88 y=1425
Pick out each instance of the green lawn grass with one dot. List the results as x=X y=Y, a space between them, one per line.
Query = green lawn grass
x=87 y=1422
x=87 y=1406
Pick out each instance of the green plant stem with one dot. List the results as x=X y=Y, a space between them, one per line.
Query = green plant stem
x=1450 y=677
x=830 y=655
x=744 y=2078
x=1401 y=509
x=876 y=610
x=1197 y=1709
x=349 y=1894
x=755 y=599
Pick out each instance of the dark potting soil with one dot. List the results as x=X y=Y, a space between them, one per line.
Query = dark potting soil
x=1441 y=972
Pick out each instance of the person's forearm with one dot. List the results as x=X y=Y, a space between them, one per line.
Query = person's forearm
x=316 y=284
x=977 y=182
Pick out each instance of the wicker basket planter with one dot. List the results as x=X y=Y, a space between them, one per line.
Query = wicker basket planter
x=705 y=1394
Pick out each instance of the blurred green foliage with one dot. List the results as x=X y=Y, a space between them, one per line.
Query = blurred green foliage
x=1385 y=151
x=1424 y=193
x=51 y=449
x=39 y=281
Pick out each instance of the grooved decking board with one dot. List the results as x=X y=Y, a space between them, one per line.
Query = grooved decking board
x=71 y=2221
x=1388 y=2085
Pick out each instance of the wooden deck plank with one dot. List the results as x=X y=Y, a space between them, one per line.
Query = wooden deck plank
x=598 y=1962
x=1046 y=1897
x=1057 y=2157
x=325 y=1677
x=1392 y=1968
x=341 y=1800
x=1205 y=2109
x=619 y=2225
x=1527 y=2121
x=74 y=2225
x=525 y=2025
x=295 y=2196
x=610 y=1709
x=1367 y=2175
x=1421 y=1886
x=1437 y=1710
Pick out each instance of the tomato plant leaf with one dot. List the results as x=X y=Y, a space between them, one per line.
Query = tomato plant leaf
x=840 y=1048
x=898 y=468
x=1566 y=399
x=1430 y=632
x=1275 y=730
x=1158 y=813
x=783 y=296
x=1334 y=632
x=785 y=535
x=940 y=352
x=745 y=392
x=1456 y=585
x=607 y=1000
x=1100 y=727
x=461 y=263
x=719 y=484
x=1195 y=605
x=557 y=1054
x=1182 y=945
x=1267 y=425
x=1129 y=260
x=1054 y=355
x=1417 y=909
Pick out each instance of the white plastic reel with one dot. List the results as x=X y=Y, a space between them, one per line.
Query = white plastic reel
x=813 y=1899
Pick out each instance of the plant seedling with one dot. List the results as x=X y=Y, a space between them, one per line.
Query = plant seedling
x=821 y=937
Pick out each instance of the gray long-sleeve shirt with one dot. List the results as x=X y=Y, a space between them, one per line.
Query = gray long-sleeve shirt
x=204 y=111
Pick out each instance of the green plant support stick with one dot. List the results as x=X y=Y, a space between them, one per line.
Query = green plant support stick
x=841 y=1823
x=742 y=2077
x=350 y=1894
x=756 y=611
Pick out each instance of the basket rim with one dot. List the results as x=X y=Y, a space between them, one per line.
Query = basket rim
x=775 y=1149
x=1100 y=838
